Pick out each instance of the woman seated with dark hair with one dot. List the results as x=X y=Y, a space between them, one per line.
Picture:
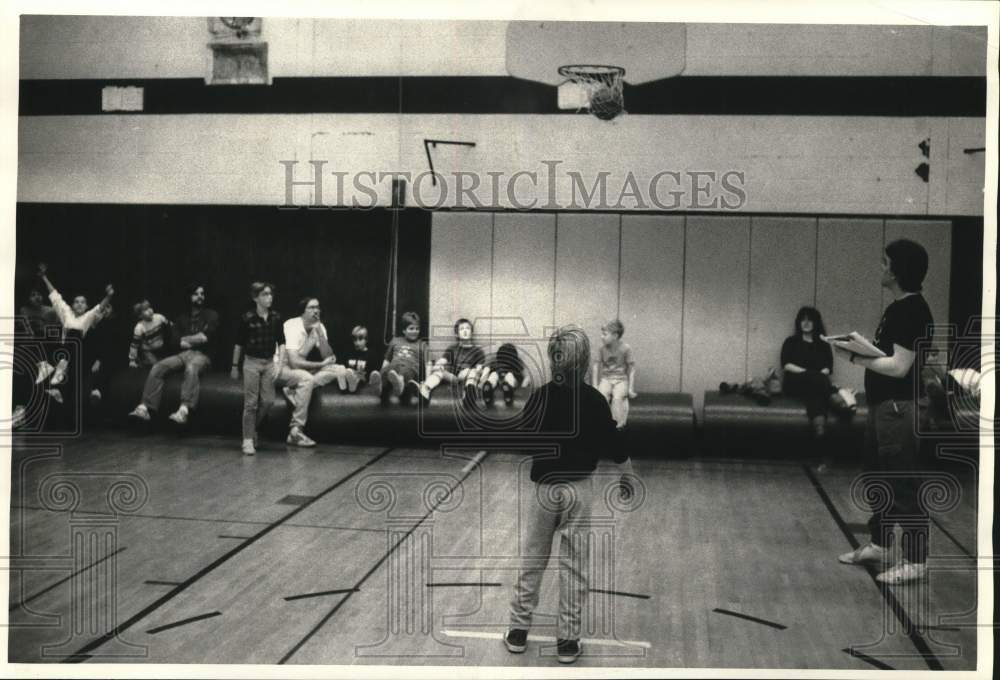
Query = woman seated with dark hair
x=808 y=362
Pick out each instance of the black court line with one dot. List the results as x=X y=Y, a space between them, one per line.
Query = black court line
x=294 y=499
x=619 y=593
x=41 y=592
x=897 y=609
x=949 y=629
x=321 y=593
x=374 y=568
x=953 y=539
x=182 y=622
x=162 y=583
x=747 y=617
x=217 y=520
x=881 y=665
x=238 y=538
x=122 y=627
x=459 y=584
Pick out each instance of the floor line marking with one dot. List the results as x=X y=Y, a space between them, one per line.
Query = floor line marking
x=620 y=593
x=870 y=660
x=135 y=618
x=897 y=609
x=755 y=619
x=597 y=642
x=62 y=580
x=475 y=461
x=182 y=622
x=321 y=593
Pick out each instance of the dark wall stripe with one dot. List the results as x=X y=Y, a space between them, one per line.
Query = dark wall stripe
x=694 y=95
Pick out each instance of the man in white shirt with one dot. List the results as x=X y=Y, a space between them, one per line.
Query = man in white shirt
x=297 y=373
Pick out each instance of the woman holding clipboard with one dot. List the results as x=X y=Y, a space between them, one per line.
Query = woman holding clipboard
x=893 y=387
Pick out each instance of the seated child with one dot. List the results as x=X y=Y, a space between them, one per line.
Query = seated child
x=149 y=338
x=461 y=363
x=404 y=359
x=505 y=370
x=614 y=372
x=358 y=364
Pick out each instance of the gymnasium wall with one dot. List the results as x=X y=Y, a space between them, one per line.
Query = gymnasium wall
x=704 y=298
x=174 y=47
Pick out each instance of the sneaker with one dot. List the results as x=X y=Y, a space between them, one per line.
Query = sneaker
x=140 y=413
x=396 y=380
x=59 y=376
x=488 y=394
x=95 y=398
x=385 y=392
x=297 y=437
x=904 y=572
x=866 y=554
x=567 y=650
x=180 y=416
x=17 y=417
x=422 y=390
x=508 y=394
x=516 y=640
x=248 y=447
x=375 y=380
x=289 y=395
x=469 y=396
x=55 y=394
x=45 y=369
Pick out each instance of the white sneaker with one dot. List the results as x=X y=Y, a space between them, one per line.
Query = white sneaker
x=45 y=369
x=396 y=380
x=59 y=376
x=297 y=437
x=95 y=397
x=904 y=572
x=375 y=380
x=248 y=448
x=140 y=413
x=55 y=394
x=17 y=417
x=866 y=554
x=180 y=416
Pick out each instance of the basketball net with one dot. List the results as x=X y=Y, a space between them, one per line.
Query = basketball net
x=603 y=85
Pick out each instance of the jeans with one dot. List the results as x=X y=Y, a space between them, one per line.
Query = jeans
x=192 y=362
x=258 y=393
x=564 y=512
x=302 y=382
x=891 y=446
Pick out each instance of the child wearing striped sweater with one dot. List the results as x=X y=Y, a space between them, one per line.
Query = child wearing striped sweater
x=149 y=337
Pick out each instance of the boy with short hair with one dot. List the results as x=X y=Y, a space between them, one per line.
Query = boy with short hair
x=149 y=336
x=404 y=358
x=614 y=371
x=358 y=364
x=258 y=336
x=461 y=363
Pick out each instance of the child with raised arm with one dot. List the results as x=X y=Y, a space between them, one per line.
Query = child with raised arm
x=614 y=371
x=404 y=359
x=149 y=337
x=359 y=364
x=461 y=364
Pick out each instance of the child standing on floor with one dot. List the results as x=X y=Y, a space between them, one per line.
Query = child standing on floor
x=149 y=336
x=461 y=364
x=404 y=359
x=614 y=371
x=258 y=336
x=359 y=363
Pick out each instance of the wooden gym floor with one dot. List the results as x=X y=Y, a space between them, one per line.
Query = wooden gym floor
x=180 y=550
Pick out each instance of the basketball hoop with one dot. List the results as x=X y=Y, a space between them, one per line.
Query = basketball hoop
x=603 y=86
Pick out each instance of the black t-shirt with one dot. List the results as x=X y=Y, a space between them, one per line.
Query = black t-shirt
x=903 y=323
x=362 y=361
x=464 y=356
x=812 y=356
x=577 y=428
